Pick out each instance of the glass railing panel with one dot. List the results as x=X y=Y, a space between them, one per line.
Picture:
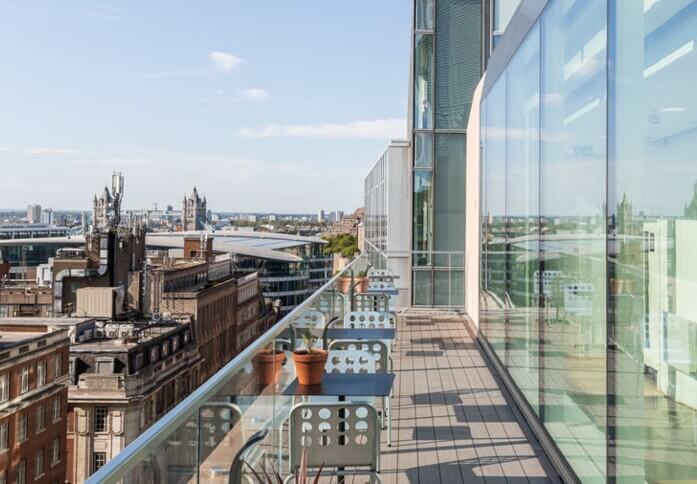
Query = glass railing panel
x=236 y=420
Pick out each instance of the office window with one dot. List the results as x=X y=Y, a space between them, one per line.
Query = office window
x=423 y=149
x=423 y=82
x=56 y=409
x=100 y=417
x=22 y=423
x=55 y=451
x=57 y=365
x=39 y=464
x=40 y=423
x=98 y=460
x=153 y=355
x=449 y=196
x=24 y=380
x=424 y=14
x=458 y=63
x=4 y=387
x=4 y=436
x=165 y=349
x=22 y=472
x=423 y=215
x=40 y=373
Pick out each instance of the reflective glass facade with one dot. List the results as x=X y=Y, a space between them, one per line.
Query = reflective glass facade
x=589 y=222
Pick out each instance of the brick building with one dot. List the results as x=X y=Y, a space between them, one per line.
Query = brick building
x=33 y=402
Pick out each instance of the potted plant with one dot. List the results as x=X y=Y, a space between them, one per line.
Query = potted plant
x=274 y=477
x=343 y=283
x=362 y=282
x=309 y=361
x=267 y=363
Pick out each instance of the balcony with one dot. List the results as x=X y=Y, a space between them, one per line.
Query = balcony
x=451 y=420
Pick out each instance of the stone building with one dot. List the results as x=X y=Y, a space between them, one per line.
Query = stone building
x=124 y=376
x=194 y=211
x=33 y=401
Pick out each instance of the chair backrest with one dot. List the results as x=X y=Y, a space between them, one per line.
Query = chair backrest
x=369 y=319
x=310 y=320
x=237 y=466
x=338 y=434
x=377 y=283
x=357 y=356
x=329 y=303
x=379 y=273
x=371 y=302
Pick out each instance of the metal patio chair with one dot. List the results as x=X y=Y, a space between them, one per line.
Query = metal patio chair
x=342 y=436
x=371 y=302
x=363 y=356
x=314 y=321
x=330 y=304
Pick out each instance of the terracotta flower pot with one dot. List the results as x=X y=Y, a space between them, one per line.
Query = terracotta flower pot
x=343 y=284
x=309 y=367
x=267 y=364
x=362 y=284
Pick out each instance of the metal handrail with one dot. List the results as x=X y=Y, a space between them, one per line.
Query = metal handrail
x=134 y=453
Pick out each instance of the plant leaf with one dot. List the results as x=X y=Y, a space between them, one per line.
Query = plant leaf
x=255 y=473
x=319 y=474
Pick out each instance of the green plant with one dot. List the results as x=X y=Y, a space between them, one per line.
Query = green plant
x=344 y=244
x=301 y=477
x=362 y=274
x=309 y=341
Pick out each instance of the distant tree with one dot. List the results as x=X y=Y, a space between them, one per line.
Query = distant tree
x=344 y=244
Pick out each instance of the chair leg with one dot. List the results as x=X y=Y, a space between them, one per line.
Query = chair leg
x=375 y=477
x=388 y=410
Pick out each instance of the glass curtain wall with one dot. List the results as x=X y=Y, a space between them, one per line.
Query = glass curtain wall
x=653 y=221
x=447 y=67
x=589 y=221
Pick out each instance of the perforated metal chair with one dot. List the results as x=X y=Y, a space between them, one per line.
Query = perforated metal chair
x=341 y=436
x=237 y=468
x=313 y=321
x=378 y=283
x=371 y=319
x=330 y=304
x=371 y=302
x=363 y=356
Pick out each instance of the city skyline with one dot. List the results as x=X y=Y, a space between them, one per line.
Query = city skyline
x=148 y=97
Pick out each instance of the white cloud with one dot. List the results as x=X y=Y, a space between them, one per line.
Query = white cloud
x=375 y=129
x=41 y=150
x=4 y=149
x=224 y=61
x=257 y=94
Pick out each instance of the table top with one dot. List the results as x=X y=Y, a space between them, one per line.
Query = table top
x=389 y=292
x=345 y=385
x=361 y=333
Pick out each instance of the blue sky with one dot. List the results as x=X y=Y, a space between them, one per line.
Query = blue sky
x=265 y=105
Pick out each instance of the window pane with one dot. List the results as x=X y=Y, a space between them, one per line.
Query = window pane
x=423 y=82
x=449 y=203
x=423 y=288
x=423 y=149
x=493 y=282
x=423 y=218
x=424 y=14
x=654 y=275
x=522 y=261
x=573 y=185
x=458 y=67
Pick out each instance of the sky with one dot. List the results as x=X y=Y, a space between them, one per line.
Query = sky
x=264 y=105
